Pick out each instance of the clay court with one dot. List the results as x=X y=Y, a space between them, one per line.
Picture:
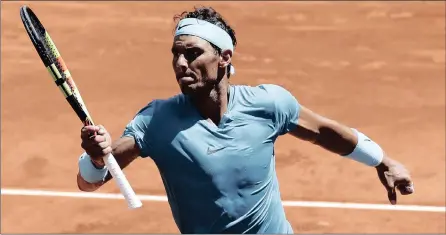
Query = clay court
x=375 y=66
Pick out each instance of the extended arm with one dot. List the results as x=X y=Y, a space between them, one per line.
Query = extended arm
x=342 y=140
x=327 y=133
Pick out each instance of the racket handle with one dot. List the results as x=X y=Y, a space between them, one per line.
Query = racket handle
x=133 y=201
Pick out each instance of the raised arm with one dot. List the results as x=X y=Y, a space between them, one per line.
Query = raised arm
x=92 y=171
x=133 y=143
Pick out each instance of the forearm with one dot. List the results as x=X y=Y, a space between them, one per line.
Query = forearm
x=91 y=175
x=86 y=186
x=336 y=138
x=95 y=173
x=324 y=132
x=350 y=143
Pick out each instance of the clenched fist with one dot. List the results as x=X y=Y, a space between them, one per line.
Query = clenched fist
x=96 y=142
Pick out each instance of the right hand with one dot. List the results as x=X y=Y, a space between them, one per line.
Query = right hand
x=97 y=146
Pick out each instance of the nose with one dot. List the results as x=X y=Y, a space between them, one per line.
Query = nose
x=181 y=63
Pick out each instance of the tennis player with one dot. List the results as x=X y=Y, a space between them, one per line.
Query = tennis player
x=214 y=142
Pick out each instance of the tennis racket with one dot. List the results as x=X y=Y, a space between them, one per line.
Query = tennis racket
x=55 y=65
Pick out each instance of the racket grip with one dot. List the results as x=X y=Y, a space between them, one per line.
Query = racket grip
x=133 y=201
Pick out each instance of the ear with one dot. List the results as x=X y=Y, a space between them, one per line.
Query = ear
x=226 y=57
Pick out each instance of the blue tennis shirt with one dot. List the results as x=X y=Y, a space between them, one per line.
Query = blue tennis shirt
x=220 y=179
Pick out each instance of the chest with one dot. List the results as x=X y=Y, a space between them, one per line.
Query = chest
x=237 y=151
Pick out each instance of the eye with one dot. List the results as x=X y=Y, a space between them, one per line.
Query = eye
x=192 y=53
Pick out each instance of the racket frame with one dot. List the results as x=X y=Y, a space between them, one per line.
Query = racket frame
x=54 y=63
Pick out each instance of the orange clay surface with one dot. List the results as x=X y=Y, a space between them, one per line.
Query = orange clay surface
x=376 y=66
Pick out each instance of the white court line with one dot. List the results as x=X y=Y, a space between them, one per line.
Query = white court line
x=342 y=205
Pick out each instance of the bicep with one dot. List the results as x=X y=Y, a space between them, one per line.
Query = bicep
x=141 y=128
x=324 y=131
x=309 y=124
x=125 y=150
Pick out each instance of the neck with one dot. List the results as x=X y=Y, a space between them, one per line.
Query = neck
x=214 y=104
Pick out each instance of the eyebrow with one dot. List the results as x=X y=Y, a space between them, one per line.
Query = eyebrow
x=191 y=44
x=187 y=46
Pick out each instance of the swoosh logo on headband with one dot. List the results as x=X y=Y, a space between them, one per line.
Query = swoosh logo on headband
x=182 y=26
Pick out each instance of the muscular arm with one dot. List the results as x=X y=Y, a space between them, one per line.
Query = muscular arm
x=326 y=133
x=124 y=150
x=340 y=139
x=329 y=134
x=301 y=122
x=296 y=119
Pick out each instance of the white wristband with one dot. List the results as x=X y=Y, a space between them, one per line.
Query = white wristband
x=366 y=151
x=89 y=172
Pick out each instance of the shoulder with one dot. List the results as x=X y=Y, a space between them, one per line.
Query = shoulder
x=267 y=96
x=279 y=104
x=262 y=91
x=273 y=89
x=152 y=116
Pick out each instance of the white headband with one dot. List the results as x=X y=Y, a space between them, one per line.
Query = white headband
x=208 y=32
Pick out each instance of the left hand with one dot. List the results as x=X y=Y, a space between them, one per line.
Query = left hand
x=393 y=174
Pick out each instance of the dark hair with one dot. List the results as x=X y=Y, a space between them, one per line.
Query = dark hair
x=212 y=16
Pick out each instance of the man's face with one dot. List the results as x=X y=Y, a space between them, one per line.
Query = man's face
x=195 y=63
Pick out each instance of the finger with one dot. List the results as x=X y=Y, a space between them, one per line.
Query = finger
x=405 y=185
x=106 y=151
x=104 y=145
x=101 y=130
x=88 y=128
x=406 y=189
x=89 y=132
x=410 y=187
x=86 y=131
x=391 y=194
x=92 y=142
x=85 y=145
x=390 y=179
x=99 y=139
x=99 y=152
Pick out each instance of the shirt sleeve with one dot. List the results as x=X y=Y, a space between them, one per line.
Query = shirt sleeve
x=139 y=128
x=285 y=108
